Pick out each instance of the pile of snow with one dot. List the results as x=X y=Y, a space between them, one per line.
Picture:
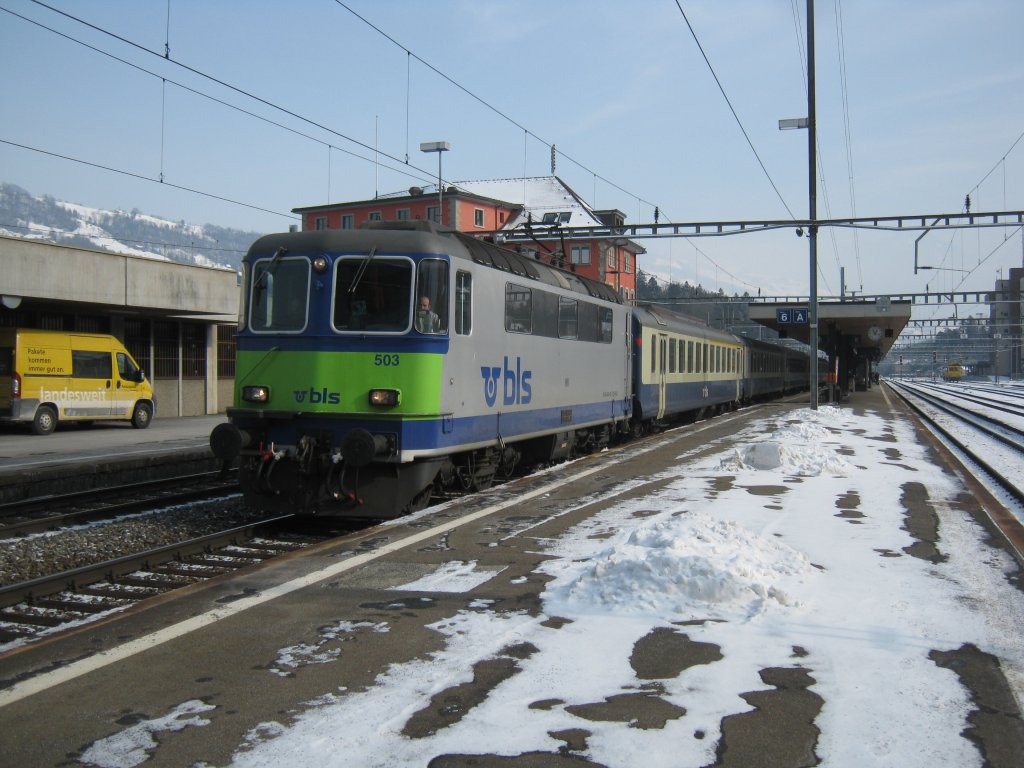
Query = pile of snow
x=681 y=566
x=799 y=448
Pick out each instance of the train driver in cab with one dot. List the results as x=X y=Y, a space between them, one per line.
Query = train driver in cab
x=427 y=320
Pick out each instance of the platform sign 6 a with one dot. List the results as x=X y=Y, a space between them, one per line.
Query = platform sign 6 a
x=791 y=315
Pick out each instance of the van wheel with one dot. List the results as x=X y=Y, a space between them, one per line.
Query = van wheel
x=45 y=420
x=141 y=416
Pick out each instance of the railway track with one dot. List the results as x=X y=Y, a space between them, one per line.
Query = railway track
x=1006 y=403
x=993 y=447
x=48 y=513
x=47 y=604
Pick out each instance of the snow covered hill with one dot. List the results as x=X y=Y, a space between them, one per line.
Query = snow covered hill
x=45 y=218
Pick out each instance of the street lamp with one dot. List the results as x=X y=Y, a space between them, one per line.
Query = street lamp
x=439 y=147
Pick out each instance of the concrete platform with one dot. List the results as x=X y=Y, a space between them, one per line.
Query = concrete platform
x=77 y=457
x=204 y=675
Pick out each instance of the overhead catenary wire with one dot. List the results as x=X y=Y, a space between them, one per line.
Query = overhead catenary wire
x=733 y=110
x=314 y=123
x=218 y=81
x=411 y=54
x=143 y=177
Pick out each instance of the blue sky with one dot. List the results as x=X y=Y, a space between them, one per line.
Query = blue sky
x=934 y=92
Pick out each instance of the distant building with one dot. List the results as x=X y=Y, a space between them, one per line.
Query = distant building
x=539 y=206
x=1005 y=309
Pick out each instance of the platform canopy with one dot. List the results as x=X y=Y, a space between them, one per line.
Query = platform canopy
x=873 y=325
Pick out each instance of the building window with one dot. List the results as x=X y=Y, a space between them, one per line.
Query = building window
x=478 y=217
x=348 y=221
x=193 y=350
x=556 y=218
x=627 y=263
x=433 y=213
x=136 y=341
x=501 y=217
x=165 y=350
x=402 y=214
x=225 y=351
x=579 y=254
x=374 y=216
x=321 y=222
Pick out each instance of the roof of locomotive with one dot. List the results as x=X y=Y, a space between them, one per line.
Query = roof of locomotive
x=425 y=236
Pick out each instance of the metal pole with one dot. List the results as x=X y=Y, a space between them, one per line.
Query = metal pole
x=812 y=206
x=440 y=202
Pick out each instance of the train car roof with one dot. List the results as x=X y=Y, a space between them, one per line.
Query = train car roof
x=425 y=236
x=655 y=315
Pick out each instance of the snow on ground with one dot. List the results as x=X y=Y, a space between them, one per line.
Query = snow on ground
x=783 y=580
x=797 y=561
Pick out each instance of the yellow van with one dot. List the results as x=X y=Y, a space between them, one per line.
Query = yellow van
x=51 y=376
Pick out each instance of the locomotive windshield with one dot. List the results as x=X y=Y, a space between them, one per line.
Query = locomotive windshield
x=372 y=295
x=280 y=293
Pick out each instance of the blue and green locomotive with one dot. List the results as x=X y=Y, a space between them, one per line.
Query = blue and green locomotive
x=377 y=368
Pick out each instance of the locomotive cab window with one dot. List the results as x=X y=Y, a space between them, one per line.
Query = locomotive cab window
x=280 y=294
x=372 y=294
x=432 y=297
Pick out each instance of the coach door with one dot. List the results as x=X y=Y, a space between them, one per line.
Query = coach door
x=662 y=365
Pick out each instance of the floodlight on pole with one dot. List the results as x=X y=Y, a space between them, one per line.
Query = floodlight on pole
x=439 y=147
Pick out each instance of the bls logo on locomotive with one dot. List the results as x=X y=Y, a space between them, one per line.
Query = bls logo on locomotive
x=317 y=396
x=515 y=383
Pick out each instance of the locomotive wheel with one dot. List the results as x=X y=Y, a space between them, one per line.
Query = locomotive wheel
x=420 y=500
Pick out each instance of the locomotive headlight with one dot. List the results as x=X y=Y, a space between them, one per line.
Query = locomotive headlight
x=256 y=394
x=385 y=398
x=320 y=264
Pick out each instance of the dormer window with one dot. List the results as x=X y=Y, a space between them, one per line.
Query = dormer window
x=552 y=219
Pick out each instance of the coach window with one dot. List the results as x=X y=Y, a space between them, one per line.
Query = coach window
x=671 y=355
x=568 y=318
x=518 y=309
x=280 y=293
x=432 y=297
x=463 y=303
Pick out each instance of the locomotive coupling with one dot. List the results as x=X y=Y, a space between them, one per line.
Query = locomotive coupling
x=359 y=447
x=227 y=441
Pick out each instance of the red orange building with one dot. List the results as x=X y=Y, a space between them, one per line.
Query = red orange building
x=541 y=206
